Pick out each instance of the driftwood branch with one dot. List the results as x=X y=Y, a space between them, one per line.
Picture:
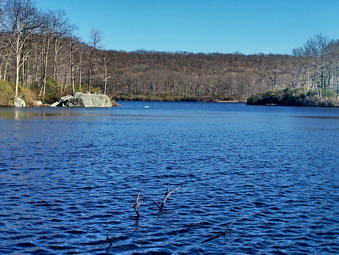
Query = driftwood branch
x=108 y=240
x=225 y=232
x=136 y=205
x=167 y=195
x=222 y=233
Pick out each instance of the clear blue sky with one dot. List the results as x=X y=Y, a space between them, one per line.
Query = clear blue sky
x=225 y=26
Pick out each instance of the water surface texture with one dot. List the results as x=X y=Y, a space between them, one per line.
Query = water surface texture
x=254 y=180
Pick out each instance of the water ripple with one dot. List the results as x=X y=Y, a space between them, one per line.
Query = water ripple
x=263 y=181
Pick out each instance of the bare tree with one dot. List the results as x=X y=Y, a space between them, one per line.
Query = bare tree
x=21 y=21
x=80 y=66
x=73 y=45
x=333 y=65
x=315 y=48
x=106 y=77
x=55 y=26
x=95 y=40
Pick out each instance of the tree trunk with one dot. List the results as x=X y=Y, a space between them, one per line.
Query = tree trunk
x=45 y=69
x=17 y=66
x=80 y=69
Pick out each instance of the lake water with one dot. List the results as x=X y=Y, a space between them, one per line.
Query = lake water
x=254 y=180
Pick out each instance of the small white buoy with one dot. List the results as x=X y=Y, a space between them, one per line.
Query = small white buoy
x=147 y=106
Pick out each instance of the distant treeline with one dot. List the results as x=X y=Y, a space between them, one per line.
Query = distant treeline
x=39 y=52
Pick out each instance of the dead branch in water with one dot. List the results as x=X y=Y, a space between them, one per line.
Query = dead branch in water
x=108 y=240
x=136 y=205
x=227 y=231
x=222 y=233
x=167 y=195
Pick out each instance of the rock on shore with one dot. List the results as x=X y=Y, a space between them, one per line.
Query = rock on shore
x=19 y=102
x=80 y=99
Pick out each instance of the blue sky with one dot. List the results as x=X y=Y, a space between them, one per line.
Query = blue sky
x=225 y=26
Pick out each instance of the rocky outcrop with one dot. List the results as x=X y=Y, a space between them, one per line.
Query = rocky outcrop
x=55 y=104
x=18 y=102
x=84 y=100
x=36 y=103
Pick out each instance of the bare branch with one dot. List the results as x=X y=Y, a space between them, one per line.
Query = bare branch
x=225 y=232
x=167 y=195
x=108 y=240
x=157 y=205
x=24 y=57
x=137 y=204
x=95 y=37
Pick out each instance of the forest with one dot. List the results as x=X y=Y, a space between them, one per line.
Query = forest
x=41 y=58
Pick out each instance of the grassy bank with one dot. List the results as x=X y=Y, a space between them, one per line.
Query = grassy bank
x=295 y=97
x=7 y=94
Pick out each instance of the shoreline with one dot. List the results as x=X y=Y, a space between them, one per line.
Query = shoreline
x=116 y=104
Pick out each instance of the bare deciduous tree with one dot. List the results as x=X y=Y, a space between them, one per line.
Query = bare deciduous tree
x=95 y=40
x=106 y=77
x=21 y=21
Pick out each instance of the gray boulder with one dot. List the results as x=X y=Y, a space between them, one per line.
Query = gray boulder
x=18 y=102
x=54 y=104
x=37 y=103
x=85 y=100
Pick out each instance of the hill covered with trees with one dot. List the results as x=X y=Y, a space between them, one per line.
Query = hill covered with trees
x=42 y=59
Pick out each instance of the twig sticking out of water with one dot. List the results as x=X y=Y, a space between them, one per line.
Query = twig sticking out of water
x=226 y=232
x=167 y=195
x=108 y=240
x=136 y=205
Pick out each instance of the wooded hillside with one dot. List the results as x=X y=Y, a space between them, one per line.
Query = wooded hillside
x=39 y=51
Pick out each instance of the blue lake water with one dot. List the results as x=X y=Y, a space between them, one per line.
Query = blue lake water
x=265 y=177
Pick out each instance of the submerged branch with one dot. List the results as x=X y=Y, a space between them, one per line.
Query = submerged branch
x=226 y=232
x=223 y=233
x=164 y=200
x=108 y=240
x=136 y=205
